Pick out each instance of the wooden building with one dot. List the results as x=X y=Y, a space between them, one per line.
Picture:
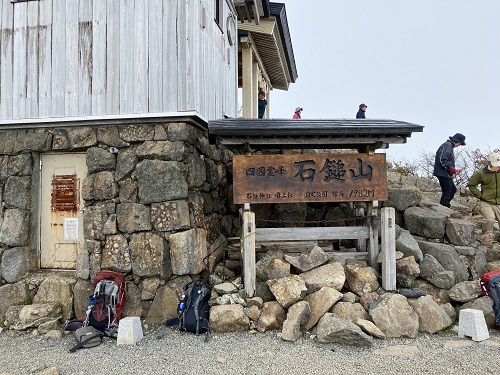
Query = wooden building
x=94 y=60
x=90 y=86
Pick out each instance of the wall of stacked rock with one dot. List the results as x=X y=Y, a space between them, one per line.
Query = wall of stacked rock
x=154 y=208
x=439 y=263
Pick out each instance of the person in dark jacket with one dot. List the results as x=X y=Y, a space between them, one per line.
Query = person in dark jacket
x=444 y=167
x=362 y=110
x=262 y=104
x=488 y=179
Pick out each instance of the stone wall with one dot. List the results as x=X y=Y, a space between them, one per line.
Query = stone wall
x=155 y=202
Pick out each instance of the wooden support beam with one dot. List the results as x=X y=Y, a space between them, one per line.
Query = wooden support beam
x=249 y=93
x=373 y=249
x=248 y=250
x=256 y=12
x=373 y=244
x=388 y=234
x=311 y=234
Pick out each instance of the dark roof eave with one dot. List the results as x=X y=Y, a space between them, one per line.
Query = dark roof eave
x=278 y=10
x=336 y=133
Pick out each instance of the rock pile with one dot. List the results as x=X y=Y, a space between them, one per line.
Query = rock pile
x=341 y=301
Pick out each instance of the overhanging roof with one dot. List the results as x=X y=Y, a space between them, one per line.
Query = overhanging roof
x=271 y=36
x=361 y=134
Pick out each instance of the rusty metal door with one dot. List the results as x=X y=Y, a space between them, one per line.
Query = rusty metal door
x=61 y=229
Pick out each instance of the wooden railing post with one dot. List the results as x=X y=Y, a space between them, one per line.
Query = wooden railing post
x=248 y=250
x=388 y=234
x=373 y=240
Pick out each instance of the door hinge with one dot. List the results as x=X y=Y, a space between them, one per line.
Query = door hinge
x=40 y=164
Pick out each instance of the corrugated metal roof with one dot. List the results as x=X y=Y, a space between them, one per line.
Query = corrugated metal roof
x=310 y=133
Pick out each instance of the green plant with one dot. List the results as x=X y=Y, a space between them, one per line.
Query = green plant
x=26 y=301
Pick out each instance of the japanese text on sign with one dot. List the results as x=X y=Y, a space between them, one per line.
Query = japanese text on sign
x=309 y=178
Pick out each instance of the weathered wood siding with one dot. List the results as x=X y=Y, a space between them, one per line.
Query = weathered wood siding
x=79 y=58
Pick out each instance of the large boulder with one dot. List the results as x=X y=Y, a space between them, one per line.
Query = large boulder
x=305 y=262
x=100 y=186
x=99 y=160
x=56 y=290
x=150 y=255
x=296 y=317
x=36 y=314
x=161 y=181
x=332 y=328
x=168 y=216
x=466 y=291
x=407 y=270
x=361 y=280
x=164 y=306
x=187 y=251
x=350 y=311
x=395 y=317
x=133 y=217
x=460 y=232
x=320 y=302
x=447 y=256
x=425 y=222
x=271 y=317
x=408 y=245
x=115 y=255
x=228 y=318
x=13 y=294
x=331 y=275
x=403 y=198
x=288 y=290
x=432 y=271
x=81 y=292
x=272 y=266
x=14 y=227
x=14 y=264
x=432 y=317
x=162 y=150
x=17 y=192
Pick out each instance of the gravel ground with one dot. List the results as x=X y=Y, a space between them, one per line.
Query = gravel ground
x=245 y=353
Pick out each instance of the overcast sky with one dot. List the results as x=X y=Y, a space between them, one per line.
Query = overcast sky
x=430 y=62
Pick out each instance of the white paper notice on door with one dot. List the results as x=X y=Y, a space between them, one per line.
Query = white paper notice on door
x=70 y=229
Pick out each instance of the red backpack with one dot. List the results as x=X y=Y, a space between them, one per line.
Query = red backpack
x=490 y=284
x=105 y=304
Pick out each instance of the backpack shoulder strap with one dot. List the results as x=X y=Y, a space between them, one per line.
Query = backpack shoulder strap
x=82 y=343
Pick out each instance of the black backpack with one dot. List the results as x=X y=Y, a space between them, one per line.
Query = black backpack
x=193 y=310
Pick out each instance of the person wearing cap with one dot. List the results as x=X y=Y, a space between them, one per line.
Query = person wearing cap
x=444 y=167
x=296 y=115
x=362 y=110
x=262 y=104
x=488 y=178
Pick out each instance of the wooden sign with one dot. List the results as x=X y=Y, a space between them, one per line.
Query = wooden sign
x=309 y=178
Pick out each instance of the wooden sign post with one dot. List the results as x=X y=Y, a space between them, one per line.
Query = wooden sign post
x=296 y=178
